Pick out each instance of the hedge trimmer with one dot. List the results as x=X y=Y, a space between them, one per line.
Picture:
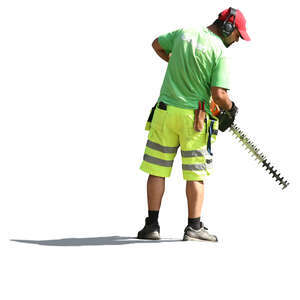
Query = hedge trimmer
x=258 y=155
x=226 y=119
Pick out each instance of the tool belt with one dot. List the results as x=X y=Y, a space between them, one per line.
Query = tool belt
x=200 y=120
x=200 y=115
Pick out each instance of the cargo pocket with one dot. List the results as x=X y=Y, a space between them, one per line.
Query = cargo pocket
x=159 y=118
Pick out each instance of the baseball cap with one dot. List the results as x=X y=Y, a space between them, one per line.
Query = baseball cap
x=240 y=22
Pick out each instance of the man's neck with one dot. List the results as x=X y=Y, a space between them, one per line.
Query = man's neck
x=214 y=28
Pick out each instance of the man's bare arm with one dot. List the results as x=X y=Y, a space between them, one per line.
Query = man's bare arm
x=221 y=97
x=160 y=51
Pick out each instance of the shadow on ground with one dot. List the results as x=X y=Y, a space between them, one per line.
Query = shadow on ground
x=94 y=241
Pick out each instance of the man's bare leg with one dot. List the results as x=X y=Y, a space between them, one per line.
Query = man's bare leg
x=155 y=191
x=195 y=229
x=195 y=196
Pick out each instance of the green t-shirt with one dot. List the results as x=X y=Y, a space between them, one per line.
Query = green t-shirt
x=197 y=63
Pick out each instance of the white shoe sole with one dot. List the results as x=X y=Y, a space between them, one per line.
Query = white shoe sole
x=188 y=238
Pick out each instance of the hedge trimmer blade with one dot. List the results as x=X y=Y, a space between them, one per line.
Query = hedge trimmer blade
x=258 y=155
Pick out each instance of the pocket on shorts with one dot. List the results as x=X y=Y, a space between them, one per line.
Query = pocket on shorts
x=159 y=118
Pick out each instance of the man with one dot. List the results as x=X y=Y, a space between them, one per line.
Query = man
x=197 y=70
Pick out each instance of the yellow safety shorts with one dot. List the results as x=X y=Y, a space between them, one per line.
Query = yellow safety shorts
x=173 y=127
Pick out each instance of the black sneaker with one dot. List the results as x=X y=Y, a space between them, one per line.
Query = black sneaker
x=150 y=231
x=202 y=234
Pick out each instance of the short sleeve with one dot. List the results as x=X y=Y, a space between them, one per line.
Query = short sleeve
x=220 y=75
x=166 y=41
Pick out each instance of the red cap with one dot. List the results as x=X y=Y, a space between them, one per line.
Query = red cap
x=240 y=22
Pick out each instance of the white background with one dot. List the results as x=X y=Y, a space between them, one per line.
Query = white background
x=78 y=79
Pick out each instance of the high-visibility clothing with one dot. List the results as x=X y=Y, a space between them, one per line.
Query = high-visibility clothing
x=172 y=128
x=199 y=61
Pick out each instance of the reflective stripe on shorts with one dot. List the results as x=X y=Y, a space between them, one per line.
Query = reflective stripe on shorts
x=197 y=167
x=160 y=148
x=158 y=161
x=193 y=153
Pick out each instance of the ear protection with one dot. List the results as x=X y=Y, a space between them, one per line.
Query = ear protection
x=227 y=27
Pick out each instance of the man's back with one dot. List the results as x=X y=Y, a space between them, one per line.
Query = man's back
x=197 y=63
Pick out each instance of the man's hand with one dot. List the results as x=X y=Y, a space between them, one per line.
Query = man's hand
x=228 y=108
x=160 y=51
x=226 y=117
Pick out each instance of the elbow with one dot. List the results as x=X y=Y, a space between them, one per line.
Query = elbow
x=154 y=44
